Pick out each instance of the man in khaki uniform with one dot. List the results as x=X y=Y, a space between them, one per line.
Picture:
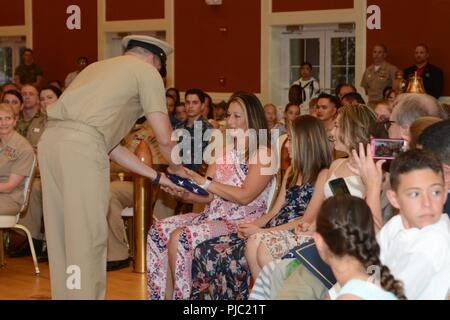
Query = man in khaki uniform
x=31 y=112
x=36 y=129
x=85 y=126
x=122 y=196
x=378 y=76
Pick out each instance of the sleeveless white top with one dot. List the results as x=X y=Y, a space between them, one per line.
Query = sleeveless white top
x=354 y=184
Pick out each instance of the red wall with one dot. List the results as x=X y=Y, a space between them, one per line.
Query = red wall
x=204 y=54
x=304 y=5
x=134 y=9
x=57 y=48
x=12 y=13
x=407 y=23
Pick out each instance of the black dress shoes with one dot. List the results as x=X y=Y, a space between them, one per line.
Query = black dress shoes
x=117 y=265
x=42 y=257
x=23 y=250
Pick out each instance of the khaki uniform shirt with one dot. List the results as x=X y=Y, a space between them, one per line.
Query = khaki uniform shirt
x=145 y=133
x=16 y=158
x=23 y=125
x=110 y=96
x=376 y=81
x=132 y=140
x=36 y=129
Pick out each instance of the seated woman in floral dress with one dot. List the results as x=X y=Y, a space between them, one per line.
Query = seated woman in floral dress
x=238 y=193
x=219 y=269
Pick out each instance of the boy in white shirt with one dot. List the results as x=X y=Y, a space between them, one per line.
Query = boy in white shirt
x=415 y=245
x=309 y=86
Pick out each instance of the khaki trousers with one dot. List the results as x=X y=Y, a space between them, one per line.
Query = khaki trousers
x=74 y=169
x=33 y=217
x=122 y=196
x=165 y=205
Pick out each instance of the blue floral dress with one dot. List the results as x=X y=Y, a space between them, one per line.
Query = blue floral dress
x=220 y=270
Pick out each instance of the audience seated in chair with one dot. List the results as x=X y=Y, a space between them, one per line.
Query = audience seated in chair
x=415 y=245
x=436 y=139
x=16 y=160
x=352 y=127
x=346 y=241
x=14 y=99
x=33 y=218
x=408 y=107
x=219 y=268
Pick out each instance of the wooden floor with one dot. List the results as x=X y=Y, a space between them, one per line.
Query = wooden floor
x=18 y=282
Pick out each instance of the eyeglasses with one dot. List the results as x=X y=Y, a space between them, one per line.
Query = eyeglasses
x=387 y=124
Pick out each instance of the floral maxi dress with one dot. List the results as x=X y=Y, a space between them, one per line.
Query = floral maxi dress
x=220 y=270
x=220 y=217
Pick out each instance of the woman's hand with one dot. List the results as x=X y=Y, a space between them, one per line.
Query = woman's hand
x=171 y=188
x=194 y=176
x=371 y=173
x=246 y=230
x=179 y=172
x=304 y=228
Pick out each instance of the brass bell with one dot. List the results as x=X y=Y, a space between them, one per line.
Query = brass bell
x=415 y=84
x=399 y=84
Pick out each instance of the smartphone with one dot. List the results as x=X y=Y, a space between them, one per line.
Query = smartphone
x=339 y=187
x=387 y=149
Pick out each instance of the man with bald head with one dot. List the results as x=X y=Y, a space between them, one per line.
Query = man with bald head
x=379 y=75
x=433 y=77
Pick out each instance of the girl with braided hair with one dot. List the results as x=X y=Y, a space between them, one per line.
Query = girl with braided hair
x=345 y=239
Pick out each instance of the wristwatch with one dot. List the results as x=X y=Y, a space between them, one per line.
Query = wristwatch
x=207 y=183
x=157 y=179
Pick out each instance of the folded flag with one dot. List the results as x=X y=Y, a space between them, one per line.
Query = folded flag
x=187 y=184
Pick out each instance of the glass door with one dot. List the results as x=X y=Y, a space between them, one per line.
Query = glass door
x=6 y=65
x=299 y=48
x=11 y=51
x=340 y=66
x=331 y=52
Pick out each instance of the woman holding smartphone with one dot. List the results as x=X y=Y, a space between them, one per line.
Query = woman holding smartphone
x=352 y=127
